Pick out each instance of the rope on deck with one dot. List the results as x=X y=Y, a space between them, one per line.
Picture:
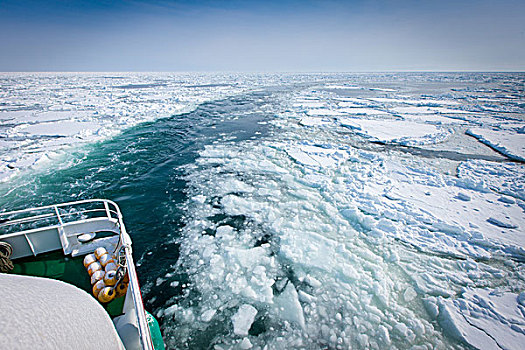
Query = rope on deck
x=6 y=265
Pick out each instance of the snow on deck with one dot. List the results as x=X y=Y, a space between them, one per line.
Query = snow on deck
x=41 y=313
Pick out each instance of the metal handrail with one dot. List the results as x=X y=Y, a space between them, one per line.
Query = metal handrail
x=60 y=205
x=125 y=241
x=36 y=218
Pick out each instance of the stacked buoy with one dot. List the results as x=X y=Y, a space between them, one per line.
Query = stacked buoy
x=106 y=280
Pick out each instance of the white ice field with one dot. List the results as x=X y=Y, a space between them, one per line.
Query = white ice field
x=381 y=211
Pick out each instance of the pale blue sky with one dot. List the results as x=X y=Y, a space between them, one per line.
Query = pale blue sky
x=267 y=35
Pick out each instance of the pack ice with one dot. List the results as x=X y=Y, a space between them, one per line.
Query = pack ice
x=362 y=221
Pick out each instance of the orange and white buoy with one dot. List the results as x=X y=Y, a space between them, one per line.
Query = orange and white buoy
x=121 y=289
x=105 y=259
x=97 y=276
x=100 y=251
x=89 y=259
x=92 y=268
x=110 y=278
x=106 y=295
x=110 y=267
x=98 y=287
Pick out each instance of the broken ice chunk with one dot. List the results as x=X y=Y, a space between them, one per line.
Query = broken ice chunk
x=245 y=344
x=243 y=319
x=208 y=315
x=289 y=307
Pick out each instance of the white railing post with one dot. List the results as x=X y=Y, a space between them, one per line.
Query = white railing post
x=106 y=206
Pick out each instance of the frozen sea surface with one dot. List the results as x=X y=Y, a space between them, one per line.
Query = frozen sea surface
x=318 y=211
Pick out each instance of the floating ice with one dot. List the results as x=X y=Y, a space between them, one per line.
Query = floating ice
x=343 y=226
x=396 y=131
x=243 y=319
x=432 y=118
x=484 y=319
x=362 y=111
x=508 y=142
x=322 y=112
x=60 y=128
x=313 y=121
x=427 y=110
x=425 y=102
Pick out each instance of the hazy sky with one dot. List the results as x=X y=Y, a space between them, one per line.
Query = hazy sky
x=235 y=35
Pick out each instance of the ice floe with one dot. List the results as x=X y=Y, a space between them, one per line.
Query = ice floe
x=484 y=319
x=396 y=131
x=427 y=110
x=510 y=143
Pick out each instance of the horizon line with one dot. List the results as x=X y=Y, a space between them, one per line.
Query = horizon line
x=272 y=72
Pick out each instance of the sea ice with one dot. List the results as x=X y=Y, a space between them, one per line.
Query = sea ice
x=508 y=142
x=396 y=131
x=314 y=121
x=60 y=128
x=322 y=112
x=426 y=110
x=425 y=102
x=362 y=111
x=485 y=319
x=243 y=319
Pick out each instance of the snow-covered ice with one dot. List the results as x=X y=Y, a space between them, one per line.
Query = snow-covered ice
x=396 y=131
x=484 y=319
x=508 y=142
x=426 y=110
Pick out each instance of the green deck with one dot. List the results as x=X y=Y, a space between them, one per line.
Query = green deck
x=56 y=266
